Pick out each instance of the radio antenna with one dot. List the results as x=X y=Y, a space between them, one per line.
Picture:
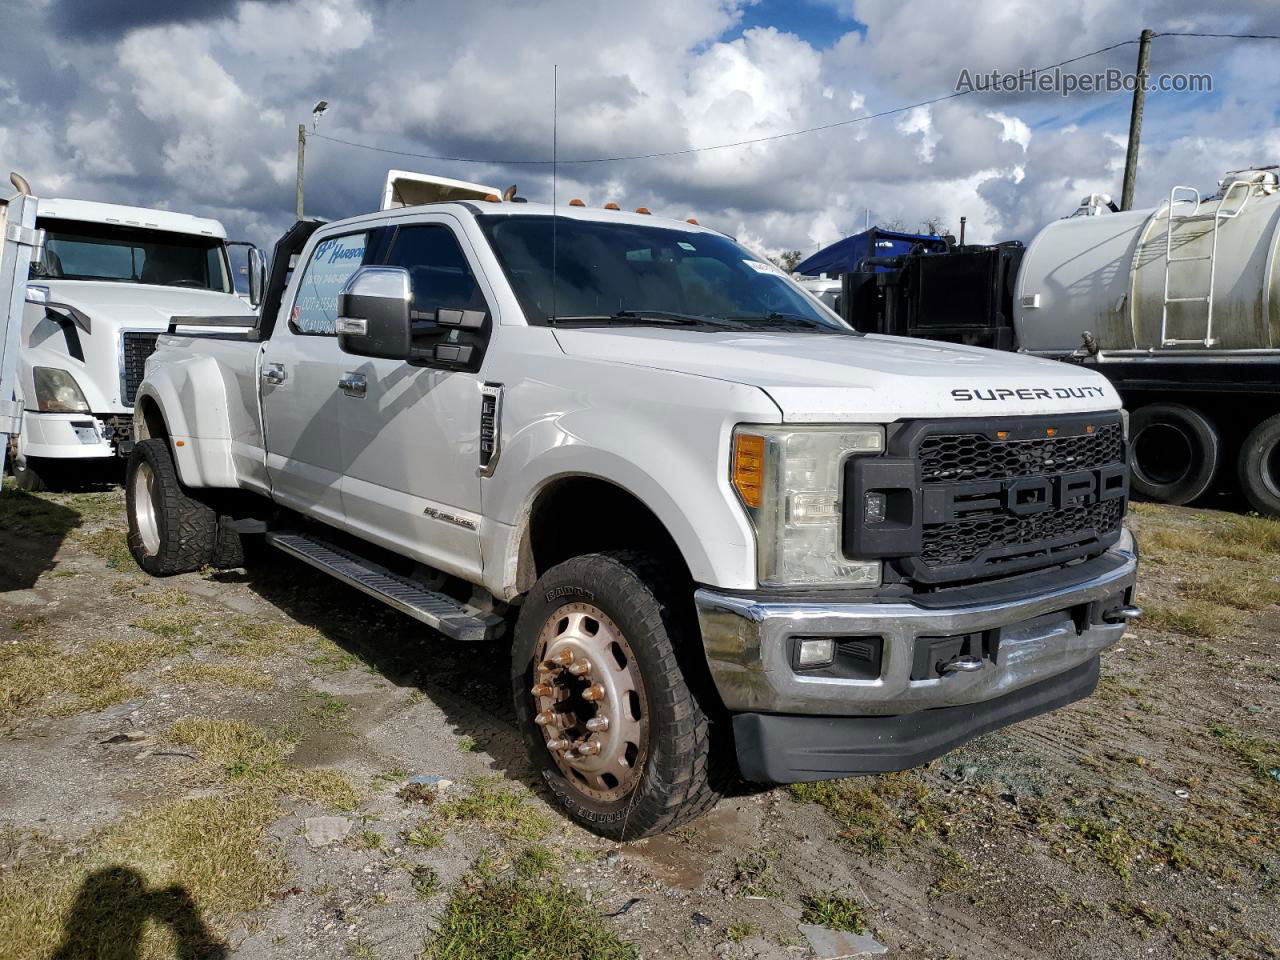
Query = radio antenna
x=555 y=117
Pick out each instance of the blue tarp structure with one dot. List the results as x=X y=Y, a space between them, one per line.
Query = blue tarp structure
x=845 y=255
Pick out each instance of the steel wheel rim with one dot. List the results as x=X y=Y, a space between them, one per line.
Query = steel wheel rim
x=589 y=700
x=144 y=507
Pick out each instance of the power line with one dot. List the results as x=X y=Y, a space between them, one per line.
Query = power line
x=776 y=136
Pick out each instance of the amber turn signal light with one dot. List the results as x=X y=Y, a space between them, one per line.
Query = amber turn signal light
x=748 y=468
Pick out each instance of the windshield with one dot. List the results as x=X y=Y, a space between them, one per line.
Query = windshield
x=78 y=250
x=624 y=274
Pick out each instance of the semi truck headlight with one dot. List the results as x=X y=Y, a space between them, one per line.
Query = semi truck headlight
x=58 y=392
x=790 y=481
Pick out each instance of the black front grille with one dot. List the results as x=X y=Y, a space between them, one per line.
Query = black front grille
x=135 y=348
x=967 y=500
x=972 y=456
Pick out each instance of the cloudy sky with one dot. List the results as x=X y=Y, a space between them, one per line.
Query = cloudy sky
x=194 y=104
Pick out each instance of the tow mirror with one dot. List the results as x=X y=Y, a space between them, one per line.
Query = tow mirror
x=257 y=276
x=373 y=313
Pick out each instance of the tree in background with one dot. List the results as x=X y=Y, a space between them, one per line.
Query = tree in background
x=787 y=260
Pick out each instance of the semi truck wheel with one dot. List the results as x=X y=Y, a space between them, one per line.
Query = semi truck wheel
x=603 y=705
x=1259 y=467
x=1176 y=452
x=169 y=531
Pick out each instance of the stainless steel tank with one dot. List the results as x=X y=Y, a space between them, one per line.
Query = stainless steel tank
x=1193 y=276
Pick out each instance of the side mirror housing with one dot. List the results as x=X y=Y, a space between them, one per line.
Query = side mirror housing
x=257 y=276
x=374 y=318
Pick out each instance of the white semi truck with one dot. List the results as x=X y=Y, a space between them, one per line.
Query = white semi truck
x=109 y=281
x=716 y=528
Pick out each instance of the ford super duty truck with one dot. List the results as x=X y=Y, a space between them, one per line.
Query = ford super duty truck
x=716 y=528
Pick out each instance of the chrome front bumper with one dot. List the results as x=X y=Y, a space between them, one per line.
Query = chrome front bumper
x=748 y=642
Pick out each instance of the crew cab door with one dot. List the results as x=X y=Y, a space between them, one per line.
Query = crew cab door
x=412 y=431
x=302 y=401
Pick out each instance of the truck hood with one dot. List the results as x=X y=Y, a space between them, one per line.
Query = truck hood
x=816 y=378
x=140 y=305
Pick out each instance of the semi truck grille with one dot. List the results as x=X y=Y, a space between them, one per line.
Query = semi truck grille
x=962 y=501
x=135 y=347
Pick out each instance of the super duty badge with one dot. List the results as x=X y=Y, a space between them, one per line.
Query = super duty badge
x=965 y=394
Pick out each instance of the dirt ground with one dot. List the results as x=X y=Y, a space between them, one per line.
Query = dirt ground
x=248 y=764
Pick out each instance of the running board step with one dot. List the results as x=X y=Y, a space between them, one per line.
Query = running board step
x=443 y=613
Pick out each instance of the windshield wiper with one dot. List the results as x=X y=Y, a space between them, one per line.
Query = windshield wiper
x=640 y=316
x=780 y=319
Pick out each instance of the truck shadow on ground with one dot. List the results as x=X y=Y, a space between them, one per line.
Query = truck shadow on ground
x=32 y=531
x=468 y=682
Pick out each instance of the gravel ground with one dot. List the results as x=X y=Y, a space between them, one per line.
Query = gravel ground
x=226 y=760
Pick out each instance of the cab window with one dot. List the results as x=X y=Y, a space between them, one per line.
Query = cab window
x=334 y=260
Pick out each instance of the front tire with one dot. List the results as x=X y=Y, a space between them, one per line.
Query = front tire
x=1259 y=467
x=169 y=531
x=601 y=700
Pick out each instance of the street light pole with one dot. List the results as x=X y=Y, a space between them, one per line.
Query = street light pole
x=1135 y=121
x=302 y=151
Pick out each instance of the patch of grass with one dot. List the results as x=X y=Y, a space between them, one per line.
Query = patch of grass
x=40 y=675
x=496 y=916
x=253 y=759
x=739 y=931
x=1195 y=618
x=469 y=745
x=493 y=803
x=1144 y=916
x=325 y=710
x=366 y=840
x=1113 y=845
x=265 y=639
x=755 y=876
x=425 y=836
x=535 y=861
x=232 y=675
x=425 y=882
x=877 y=814
x=836 y=912
x=165 y=599
x=952 y=871
x=187 y=864
x=418 y=793
x=1258 y=755
x=1236 y=589
x=111 y=546
x=179 y=624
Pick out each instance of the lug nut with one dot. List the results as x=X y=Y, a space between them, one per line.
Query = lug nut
x=588 y=749
x=579 y=668
x=546 y=717
x=598 y=724
x=593 y=693
x=541 y=690
x=558 y=745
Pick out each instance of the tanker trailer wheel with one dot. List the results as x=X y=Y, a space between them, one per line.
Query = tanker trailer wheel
x=1259 y=467
x=604 y=708
x=169 y=531
x=1176 y=452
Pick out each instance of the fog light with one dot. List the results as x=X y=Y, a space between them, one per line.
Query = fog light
x=873 y=509
x=816 y=653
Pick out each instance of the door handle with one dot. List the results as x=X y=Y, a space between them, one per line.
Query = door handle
x=353 y=384
x=274 y=373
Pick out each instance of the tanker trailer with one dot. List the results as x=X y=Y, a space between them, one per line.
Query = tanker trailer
x=1179 y=308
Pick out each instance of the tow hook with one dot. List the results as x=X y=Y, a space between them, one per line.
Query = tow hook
x=1121 y=614
x=965 y=664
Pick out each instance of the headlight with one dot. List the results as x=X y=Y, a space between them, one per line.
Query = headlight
x=790 y=480
x=58 y=392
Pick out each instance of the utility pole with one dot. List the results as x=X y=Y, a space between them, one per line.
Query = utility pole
x=1135 y=121
x=302 y=151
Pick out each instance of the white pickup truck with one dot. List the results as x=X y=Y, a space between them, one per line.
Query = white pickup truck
x=715 y=527
x=108 y=282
